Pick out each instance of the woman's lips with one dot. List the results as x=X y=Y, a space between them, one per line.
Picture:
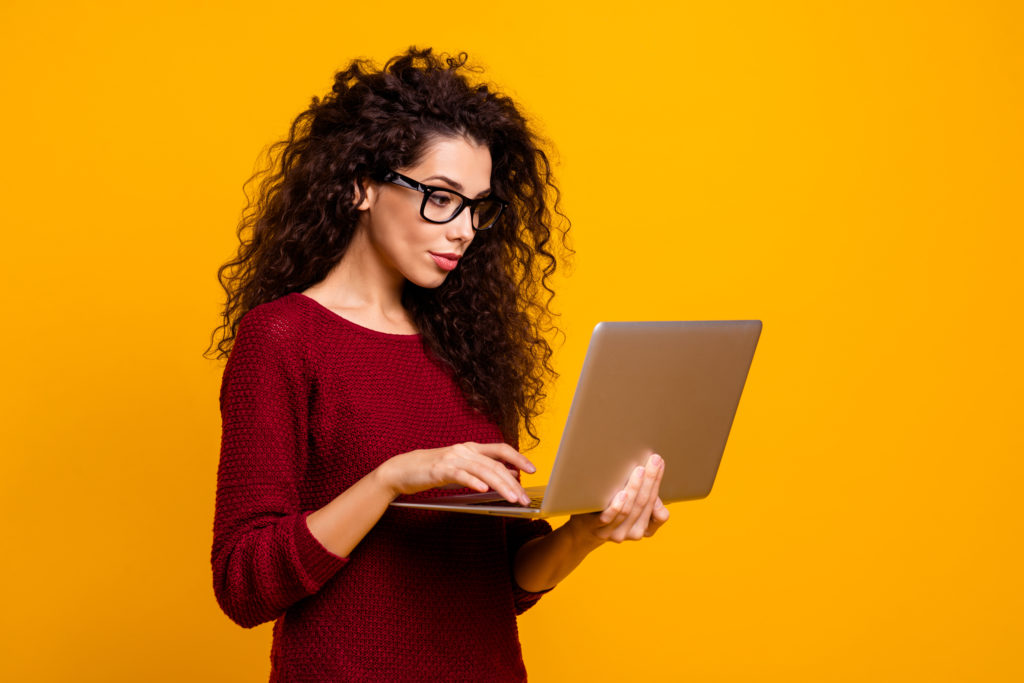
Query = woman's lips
x=446 y=262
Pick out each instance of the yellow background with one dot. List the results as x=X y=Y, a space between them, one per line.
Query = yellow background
x=850 y=173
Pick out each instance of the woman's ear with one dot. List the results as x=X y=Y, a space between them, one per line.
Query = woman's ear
x=365 y=194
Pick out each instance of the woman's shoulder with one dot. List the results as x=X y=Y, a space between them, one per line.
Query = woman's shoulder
x=281 y=323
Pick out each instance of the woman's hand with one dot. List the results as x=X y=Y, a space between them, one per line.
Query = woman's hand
x=479 y=466
x=634 y=513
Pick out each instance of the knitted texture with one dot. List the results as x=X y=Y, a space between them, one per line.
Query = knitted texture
x=310 y=403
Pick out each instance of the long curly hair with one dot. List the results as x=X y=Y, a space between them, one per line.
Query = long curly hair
x=488 y=321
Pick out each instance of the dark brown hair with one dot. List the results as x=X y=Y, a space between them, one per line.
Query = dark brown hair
x=489 y=318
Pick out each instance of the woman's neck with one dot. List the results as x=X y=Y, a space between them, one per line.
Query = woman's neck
x=364 y=290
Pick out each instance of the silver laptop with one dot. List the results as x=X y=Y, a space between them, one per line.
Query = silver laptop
x=670 y=388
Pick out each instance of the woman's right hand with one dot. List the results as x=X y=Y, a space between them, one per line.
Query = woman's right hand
x=479 y=466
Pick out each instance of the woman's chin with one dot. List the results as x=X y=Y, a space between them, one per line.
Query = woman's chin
x=429 y=282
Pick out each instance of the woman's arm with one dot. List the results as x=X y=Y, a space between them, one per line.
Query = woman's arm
x=264 y=558
x=341 y=524
x=635 y=512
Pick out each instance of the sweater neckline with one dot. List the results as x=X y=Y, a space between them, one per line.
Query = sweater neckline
x=316 y=305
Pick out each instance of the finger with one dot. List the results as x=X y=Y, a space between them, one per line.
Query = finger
x=636 y=521
x=613 y=510
x=644 y=496
x=510 y=477
x=628 y=496
x=649 y=494
x=653 y=471
x=497 y=477
x=616 y=510
x=619 y=526
x=659 y=516
x=505 y=453
x=604 y=522
x=461 y=455
x=464 y=478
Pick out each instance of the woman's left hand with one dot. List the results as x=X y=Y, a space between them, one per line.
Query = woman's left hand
x=634 y=513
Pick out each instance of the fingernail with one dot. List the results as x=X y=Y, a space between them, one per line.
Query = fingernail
x=530 y=467
x=656 y=459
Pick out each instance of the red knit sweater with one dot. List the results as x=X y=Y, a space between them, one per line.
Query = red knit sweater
x=311 y=403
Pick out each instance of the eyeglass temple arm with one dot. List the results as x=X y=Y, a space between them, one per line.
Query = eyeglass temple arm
x=398 y=179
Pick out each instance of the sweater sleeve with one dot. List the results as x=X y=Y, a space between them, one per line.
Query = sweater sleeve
x=264 y=558
x=518 y=532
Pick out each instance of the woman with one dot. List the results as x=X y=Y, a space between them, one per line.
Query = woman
x=383 y=321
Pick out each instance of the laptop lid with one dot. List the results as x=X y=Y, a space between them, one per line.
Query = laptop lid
x=670 y=388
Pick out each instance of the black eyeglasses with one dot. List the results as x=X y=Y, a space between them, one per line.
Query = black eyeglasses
x=441 y=205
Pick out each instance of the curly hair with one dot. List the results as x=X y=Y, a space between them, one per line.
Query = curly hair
x=489 y=318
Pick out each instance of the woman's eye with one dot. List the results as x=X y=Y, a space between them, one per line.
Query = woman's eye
x=441 y=199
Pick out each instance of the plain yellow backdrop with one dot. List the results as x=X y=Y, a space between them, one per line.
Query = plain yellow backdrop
x=849 y=173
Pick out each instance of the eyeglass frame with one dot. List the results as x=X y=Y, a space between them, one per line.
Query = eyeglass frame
x=396 y=178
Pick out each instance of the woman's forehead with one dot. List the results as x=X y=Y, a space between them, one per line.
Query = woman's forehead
x=463 y=163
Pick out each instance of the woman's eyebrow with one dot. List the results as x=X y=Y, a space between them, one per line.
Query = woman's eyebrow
x=455 y=185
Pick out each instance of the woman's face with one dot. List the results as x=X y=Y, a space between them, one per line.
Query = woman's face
x=406 y=244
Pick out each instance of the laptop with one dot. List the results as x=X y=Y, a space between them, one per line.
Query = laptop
x=670 y=388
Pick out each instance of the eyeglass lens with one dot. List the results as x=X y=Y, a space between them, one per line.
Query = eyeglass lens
x=440 y=206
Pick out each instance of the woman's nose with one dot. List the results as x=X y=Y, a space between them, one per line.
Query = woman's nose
x=461 y=227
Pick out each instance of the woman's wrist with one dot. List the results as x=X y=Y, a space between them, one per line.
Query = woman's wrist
x=382 y=478
x=341 y=524
x=581 y=529
x=544 y=561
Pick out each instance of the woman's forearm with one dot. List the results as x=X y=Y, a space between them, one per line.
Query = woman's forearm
x=541 y=563
x=340 y=525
